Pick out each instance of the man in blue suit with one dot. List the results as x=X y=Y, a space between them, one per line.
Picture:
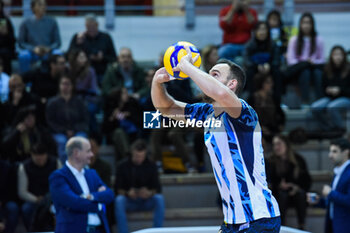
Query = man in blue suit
x=338 y=195
x=78 y=193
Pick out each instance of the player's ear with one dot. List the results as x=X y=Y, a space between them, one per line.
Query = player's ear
x=232 y=84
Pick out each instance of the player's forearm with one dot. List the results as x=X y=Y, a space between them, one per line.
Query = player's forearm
x=208 y=84
x=160 y=97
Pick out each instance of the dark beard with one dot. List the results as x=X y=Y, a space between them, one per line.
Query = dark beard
x=208 y=99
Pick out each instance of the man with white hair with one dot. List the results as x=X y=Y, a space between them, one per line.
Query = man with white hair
x=78 y=193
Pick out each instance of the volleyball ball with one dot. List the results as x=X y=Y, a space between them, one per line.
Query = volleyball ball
x=173 y=55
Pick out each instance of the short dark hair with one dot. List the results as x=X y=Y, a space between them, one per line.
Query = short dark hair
x=342 y=143
x=139 y=145
x=39 y=148
x=54 y=58
x=237 y=73
x=24 y=112
x=33 y=2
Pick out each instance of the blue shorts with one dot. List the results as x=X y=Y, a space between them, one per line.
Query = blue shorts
x=270 y=225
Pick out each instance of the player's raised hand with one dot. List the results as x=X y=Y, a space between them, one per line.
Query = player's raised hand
x=161 y=76
x=187 y=58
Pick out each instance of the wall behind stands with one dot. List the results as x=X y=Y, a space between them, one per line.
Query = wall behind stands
x=147 y=36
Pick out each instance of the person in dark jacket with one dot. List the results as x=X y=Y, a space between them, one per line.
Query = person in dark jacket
x=33 y=180
x=97 y=45
x=43 y=81
x=336 y=83
x=289 y=178
x=335 y=197
x=137 y=187
x=126 y=73
x=25 y=132
x=18 y=98
x=262 y=56
x=271 y=116
x=122 y=120
x=66 y=116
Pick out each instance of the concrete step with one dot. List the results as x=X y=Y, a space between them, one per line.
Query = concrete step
x=176 y=217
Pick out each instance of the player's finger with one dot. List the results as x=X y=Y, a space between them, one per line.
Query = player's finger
x=176 y=68
x=196 y=58
x=188 y=50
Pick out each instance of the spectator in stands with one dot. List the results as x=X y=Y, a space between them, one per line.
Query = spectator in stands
x=289 y=178
x=33 y=180
x=122 y=120
x=97 y=45
x=4 y=84
x=336 y=82
x=145 y=98
x=104 y=169
x=39 y=36
x=24 y=133
x=305 y=58
x=261 y=56
x=236 y=21
x=7 y=41
x=138 y=188
x=19 y=98
x=66 y=116
x=44 y=82
x=126 y=73
x=336 y=197
x=271 y=116
x=209 y=57
x=85 y=83
x=180 y=90
x=277 y=32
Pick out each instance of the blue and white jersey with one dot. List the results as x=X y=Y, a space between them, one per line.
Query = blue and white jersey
x=237 y=159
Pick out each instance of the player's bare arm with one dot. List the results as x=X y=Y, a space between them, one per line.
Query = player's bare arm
x=162 y=101
x=211 y=86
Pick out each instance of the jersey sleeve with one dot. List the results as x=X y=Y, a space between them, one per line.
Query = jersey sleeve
x=198 y=111
x=248 y=117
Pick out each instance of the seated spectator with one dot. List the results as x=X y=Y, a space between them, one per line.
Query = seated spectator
x=104 y=169
x=209 y=57
x=85 y=83
x=66 y=116
x=18 y=98
x=289 y=179
x=122 y=120
x=44 y=82
x=38 y=36
x=7 y=41
x=236 y=21
x=4 y=83
x=277 y=31
x=97 y=45
x=23 y=134
x=126 y=73
x=145 y=98
x=33 y=180
x=305 y=59
x=336 y=81
x=138 y=188
x=180 y=90
x=261 y=56
x=271 y=116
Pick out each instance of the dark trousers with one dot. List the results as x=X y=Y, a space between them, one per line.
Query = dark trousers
x=298 y=201
x=271 y=225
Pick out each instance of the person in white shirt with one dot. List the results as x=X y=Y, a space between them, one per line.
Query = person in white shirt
x=78 y=193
